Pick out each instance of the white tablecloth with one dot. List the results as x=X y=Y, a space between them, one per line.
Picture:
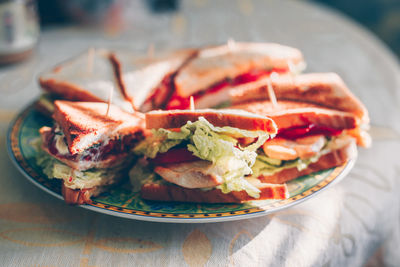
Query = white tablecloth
x=343 y=226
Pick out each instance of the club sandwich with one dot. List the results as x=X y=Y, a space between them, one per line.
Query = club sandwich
x=200 y=156
x=88 y=147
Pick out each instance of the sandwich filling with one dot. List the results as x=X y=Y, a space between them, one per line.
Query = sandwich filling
x=101 y=164
x=311 y=129
x=280 y=153
x=76 y=179
x=219 y=89
x=201 y=155
x=160 y=94
x=55 y=142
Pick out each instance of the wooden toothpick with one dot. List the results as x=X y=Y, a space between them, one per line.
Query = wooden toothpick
x=271 y=93
x=292 y=69
x=90 y=61
x=290 y=64
x=191 y=106
x=109 y=100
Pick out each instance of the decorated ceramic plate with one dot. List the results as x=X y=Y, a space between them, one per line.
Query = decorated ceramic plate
x=121 y=202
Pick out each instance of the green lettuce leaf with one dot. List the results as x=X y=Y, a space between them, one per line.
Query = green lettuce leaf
x=267 y=166
x=160 y=141
x=140 y=174
x=216 y=144
x=75 y=179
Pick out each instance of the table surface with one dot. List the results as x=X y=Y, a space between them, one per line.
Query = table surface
x=342 y=226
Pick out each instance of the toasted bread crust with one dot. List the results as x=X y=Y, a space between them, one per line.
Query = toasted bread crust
x=326 y=89
x=333 y=159
x=118 y=76
x=89 y=76
x=214 y=64
x=140 y=77
x=233 y=118
x=78 y=197
x=67 y=90
x=169 y=192
x=292 y=114
x=81 y=196
x=81 y=120
x=320 y=117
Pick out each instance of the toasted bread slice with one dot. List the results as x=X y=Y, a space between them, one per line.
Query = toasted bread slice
x=170 y=192
x=79 y=197
x=83 y=196
x=87 y=77
x=325 y=89
x=140 y=76
x=287 y=114
x=228 y=117
x=215 y=64
x=86 y=123
x=342 y=151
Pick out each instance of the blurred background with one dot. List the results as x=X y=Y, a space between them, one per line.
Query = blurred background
x=380 y=16
x=22 y=20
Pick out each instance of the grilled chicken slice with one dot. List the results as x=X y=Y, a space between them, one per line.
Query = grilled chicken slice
x=196 y=174
x=284 y=149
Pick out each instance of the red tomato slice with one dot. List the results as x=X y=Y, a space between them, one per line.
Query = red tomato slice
x=174 y=155
x=178 y=102
x=297 y=132
x=213 y=89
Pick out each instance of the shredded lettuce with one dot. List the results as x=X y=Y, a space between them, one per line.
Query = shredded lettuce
x=224 y=104
x=141 y=174
x=268 y=166
x=218 y=145
x=160 y=141
x=75 y=179
x=198 y=134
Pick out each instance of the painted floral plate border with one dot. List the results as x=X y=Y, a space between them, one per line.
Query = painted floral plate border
x=121 y=202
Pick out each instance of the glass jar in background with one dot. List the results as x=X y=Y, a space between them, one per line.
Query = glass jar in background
x=19 y=29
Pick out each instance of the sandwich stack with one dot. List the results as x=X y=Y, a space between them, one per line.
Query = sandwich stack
x=259 y=123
